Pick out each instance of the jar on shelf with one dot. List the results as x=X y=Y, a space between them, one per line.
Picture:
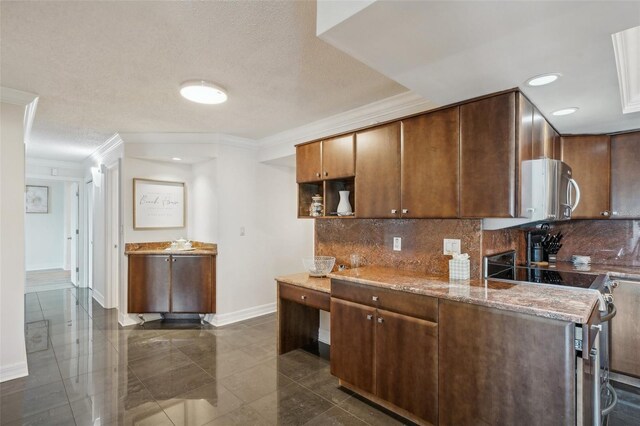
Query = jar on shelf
x=316 y=209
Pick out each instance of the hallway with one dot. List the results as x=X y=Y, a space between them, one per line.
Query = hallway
x=47 y=279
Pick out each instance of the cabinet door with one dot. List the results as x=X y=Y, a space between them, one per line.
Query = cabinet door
x=430 y=164
x=308 y=162
x=378 y=172
x=589 y=157
x=543 y=137
x=487 y=157
x=149 y=283
x=407 y=364
x=192 y=284
x=625 y=329
x=338 y=157
x=625 y=175
x=352 y=343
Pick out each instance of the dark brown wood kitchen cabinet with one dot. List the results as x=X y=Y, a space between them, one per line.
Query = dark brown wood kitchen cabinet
x=338 y=157
x=488 y=157
x=625 y=175
x=380 y=351
x=545 y=140
x=172 y=283
x=589 y=158
x=430 y=152
x=377 y=184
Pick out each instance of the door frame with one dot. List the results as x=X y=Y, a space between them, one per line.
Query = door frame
x=81 y=260
x=113 y=233
x=88 y=235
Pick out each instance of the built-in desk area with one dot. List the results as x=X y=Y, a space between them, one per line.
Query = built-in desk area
x=300 y=299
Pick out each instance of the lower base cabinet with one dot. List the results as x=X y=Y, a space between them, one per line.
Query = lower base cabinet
x=391 y=356
x=172 y=283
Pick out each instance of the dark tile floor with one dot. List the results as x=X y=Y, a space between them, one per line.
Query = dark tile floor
x=87 y=370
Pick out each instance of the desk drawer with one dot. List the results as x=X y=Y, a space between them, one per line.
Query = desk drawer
x=415 y=305
x=313 y=298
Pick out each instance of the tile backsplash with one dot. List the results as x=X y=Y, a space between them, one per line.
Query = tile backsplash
x=422 y=242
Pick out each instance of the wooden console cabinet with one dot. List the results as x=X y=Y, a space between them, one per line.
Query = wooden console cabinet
x=175 y=283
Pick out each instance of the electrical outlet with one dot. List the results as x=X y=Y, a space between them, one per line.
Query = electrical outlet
x=397 y=244
x=451 y=246
x=242 y=233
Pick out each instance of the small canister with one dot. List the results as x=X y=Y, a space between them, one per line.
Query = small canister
x=316 y=209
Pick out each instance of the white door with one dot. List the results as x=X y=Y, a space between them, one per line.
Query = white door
x=114 y=235
x=89 y=234
x=74 y=198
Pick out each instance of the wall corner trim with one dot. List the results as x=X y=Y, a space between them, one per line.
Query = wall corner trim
x=13 y=371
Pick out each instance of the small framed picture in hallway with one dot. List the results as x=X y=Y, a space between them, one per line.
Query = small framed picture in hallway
x=37 y=199
x=158 y=204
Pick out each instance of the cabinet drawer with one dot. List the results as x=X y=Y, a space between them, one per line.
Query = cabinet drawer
x=313 y=298
x=411 y=304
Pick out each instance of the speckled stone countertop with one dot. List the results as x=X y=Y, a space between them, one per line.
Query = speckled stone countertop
x=161 y=247
x=304 y=280
x=614 y=271
x=547 y=301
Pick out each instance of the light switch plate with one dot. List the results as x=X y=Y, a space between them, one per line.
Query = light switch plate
x=397 y=244
x=451 y=246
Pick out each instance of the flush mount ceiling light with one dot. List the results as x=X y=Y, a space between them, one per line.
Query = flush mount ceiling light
x=176 y=158
x=203 y=92
x=565 y=111
x=541 y=80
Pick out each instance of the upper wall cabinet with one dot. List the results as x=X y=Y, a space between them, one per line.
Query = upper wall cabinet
x=378 y=172
x=488 y=157
x=309 y=162
x=589 y=159
x=329 y=159
x=430 y=153
x=625 y=175
x=545 y=140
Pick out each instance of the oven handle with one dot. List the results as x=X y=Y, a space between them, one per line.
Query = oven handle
x=614 y=401
x=611 y=312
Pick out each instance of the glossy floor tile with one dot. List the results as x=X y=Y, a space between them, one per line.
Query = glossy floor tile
x=85 y=369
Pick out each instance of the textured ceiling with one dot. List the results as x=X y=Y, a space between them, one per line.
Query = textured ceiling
x=105 y=67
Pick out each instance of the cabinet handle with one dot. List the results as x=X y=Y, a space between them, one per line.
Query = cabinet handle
x=374 y=298
x=326 y=173
x=604 y=213
x=166 y=259
x=405 y=211
x=369 y=317
x=380 y=320
x=317 y=174
x=303 y=297
x=394 y=211
x=173 y=259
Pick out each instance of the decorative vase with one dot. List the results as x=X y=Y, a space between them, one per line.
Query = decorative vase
x=344 y=207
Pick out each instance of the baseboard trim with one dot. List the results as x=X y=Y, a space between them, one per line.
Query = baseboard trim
x=324 y=336
x=126 y=319
x=241 y=315
x=44 y=267
x=99 y=298
x=13 y=371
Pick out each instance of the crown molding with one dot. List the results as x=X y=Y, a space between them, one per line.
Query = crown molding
x=101 y=154
x=16 y=97
x=626 y=47
x=190 y=138
x=387 y=109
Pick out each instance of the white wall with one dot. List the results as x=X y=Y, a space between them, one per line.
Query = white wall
x=45 y=238
x=13 y=358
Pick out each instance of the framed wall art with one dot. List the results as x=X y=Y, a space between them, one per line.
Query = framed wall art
x=158 y=204
x=37 y=199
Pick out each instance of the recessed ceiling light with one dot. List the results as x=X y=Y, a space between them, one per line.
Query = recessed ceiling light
x=203 y=92
x=176 y=159
x=565 y=111
x=541 y=80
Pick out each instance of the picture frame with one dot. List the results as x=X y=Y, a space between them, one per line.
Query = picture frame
x=158 y=204
x=36 y=199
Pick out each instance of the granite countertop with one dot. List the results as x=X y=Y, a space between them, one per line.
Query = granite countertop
x=547 y=301
x=614 y=271
x=160 y=247
x=304 y=280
